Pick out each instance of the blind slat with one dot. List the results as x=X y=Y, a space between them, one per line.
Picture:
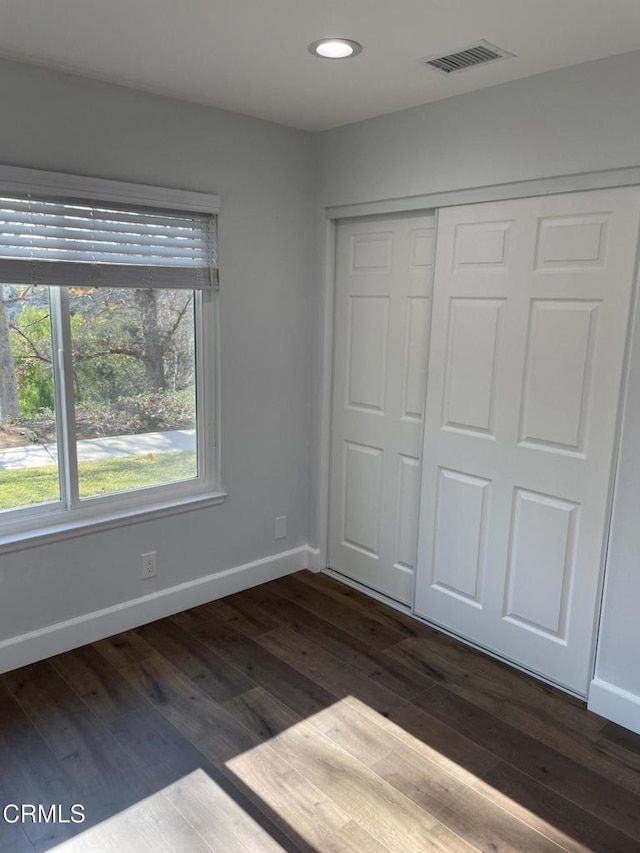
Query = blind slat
x=44 y=241
x=98 y=211
x=69 y=250
x=75 y=274
x=131 y=258
x=104 y=231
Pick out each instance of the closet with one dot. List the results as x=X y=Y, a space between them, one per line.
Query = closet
x=476 y=395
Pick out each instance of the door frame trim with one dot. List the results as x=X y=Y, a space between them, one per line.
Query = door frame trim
x=581 y=181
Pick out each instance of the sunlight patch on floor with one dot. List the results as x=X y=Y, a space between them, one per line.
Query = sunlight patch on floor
x=348 y=768
x=192 y=814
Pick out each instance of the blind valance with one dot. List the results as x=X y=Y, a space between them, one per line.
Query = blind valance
x=93 y=244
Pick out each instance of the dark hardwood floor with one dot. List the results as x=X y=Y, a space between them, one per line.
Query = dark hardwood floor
x=304 y=716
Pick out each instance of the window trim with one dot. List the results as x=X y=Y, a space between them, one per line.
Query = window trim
x=40 y=524
x=79 y=187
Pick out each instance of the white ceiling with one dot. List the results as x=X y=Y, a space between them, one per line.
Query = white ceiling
x=251 y=55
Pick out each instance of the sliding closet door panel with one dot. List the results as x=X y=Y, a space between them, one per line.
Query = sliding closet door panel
x=530 y=316
x=384 y=274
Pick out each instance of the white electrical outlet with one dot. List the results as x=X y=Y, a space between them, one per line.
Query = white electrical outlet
x=281 y=527
x=148 y=565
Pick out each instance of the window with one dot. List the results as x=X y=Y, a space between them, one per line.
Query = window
x=107 y=375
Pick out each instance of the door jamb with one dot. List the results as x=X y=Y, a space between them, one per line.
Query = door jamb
x=324 y=454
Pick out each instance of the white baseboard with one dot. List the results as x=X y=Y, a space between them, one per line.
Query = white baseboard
x=55 y=639
x=314 y=564
x=615 y=704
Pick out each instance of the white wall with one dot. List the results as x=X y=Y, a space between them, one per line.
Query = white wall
x=263 y=173
x=616 y=690
x=579 y=119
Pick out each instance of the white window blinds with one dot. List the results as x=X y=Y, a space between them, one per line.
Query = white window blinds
x=93 y=244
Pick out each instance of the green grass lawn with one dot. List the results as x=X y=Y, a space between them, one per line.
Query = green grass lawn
x=27 y=486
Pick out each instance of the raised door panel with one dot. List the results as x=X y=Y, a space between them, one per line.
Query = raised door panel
x=418 y=322
x=541 y=562
x=371 y=252
x=362 y=480
x=473 y=353
x=367 y=352
x=460 y=535
x=481 y=246
x=557 y=386
x=422 y=247
x=565 y=241
x=407 y=512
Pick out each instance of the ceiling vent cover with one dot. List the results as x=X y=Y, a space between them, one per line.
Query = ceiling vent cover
x=480 y=53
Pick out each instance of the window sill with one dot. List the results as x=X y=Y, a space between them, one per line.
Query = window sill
x=47 y=534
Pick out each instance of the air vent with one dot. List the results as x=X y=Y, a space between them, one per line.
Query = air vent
x=480 y=53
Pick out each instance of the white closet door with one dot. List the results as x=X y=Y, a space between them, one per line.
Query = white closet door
x=530 y=318
x=384 y=274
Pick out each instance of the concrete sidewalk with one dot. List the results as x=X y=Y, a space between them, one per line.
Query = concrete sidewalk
x=93 y=449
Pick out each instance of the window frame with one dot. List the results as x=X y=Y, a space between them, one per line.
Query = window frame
x=41 y=523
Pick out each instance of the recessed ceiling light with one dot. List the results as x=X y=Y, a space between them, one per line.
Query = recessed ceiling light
x=335 y=48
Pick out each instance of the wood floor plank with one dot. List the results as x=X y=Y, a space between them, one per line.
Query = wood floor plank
x=573 y=828
x=301 y=694
x=236 y=611
x=267 y=717
x=611 y=803
x=317 y=822
x=620 y=746
x=553 y=717
x=214 y=675
x=340 y=591
x=193 y=616
x=153 y=824
x=403 y=680
x=353 y=725
x=218 y=818
x=445 y=796
x=464 y=663
x=262 y=713
x=159 y=748
x=239 y=614
x=12 y=836
x=105 y=776
x=614 y=733
x=378 y=807
x=325 y=669
x=124 y=649
x=355 y=839
x=502 y=688
x=30 y=773
x=427 y=737
x=398 y=620
x=344 y=616
x=462 y=810
x=294 y=798
x=97 y=682
x=189 y=709
x=170 y=758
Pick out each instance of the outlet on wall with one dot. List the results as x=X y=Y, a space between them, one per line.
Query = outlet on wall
x=148 y=565
x=281 y=527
